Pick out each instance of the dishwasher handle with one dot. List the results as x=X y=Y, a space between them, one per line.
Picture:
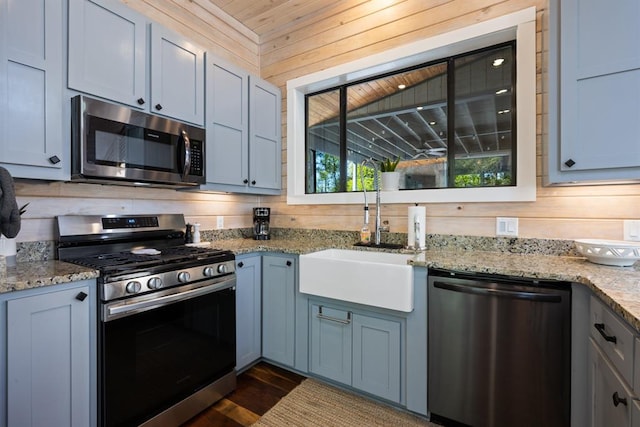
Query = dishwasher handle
x=475 y=290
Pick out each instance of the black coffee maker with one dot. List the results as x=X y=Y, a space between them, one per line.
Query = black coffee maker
x=261 y=229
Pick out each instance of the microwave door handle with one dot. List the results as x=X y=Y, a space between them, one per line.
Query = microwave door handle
x=187 y=155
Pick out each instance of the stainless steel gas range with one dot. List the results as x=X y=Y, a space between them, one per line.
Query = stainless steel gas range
x=166 y=330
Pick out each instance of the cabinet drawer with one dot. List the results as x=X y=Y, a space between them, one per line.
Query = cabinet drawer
x=614 y=338
x=612 y=401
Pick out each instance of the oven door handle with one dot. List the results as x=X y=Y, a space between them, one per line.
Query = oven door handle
x=124 y=309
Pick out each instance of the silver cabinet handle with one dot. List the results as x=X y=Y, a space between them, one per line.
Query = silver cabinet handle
x=334 y=319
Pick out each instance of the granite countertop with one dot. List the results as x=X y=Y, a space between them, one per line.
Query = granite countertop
x=36 y=274
x=618 y=287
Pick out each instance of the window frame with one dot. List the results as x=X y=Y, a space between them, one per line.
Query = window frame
x=451 y=102
x=519 y=26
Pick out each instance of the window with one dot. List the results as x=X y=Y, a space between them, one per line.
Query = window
x=452 y=87
x=407 y=117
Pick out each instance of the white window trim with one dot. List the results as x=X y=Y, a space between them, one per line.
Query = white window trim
x=519 y=26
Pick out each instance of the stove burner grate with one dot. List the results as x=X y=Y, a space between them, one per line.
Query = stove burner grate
x=123 y=261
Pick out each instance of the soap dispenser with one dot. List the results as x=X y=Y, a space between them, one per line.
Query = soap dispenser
x=365 y=231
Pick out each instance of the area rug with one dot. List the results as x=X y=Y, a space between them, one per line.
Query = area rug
x=313 y=403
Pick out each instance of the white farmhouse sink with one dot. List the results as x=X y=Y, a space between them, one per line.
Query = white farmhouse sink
x=378 y=279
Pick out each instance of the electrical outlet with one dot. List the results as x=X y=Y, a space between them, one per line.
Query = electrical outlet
x=507 y=226
x=220 y=222
x=632 y=230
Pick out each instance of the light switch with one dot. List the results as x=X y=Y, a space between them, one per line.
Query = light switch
x=506 y=226
x=220 y=222
x=632 y=230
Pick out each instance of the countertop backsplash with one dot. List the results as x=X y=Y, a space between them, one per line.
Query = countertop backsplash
x=45 y=250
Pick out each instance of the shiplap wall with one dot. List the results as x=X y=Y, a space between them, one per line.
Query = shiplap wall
x=346 y=31
x=353 y=29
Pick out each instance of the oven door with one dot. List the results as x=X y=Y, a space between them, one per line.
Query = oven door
x=154 y=354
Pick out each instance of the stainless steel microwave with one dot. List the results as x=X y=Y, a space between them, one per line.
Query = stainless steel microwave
x=119 y=145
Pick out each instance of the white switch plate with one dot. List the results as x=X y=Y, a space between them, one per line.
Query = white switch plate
x=632 y=230
x=220 y=222
x=507 y=226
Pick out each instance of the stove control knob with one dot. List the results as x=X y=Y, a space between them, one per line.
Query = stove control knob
x=208 y=271
x=154 y=283
x=133 y=287
x=222 y=268
x=184 y=276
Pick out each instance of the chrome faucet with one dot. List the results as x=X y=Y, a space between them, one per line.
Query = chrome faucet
x=377 y=188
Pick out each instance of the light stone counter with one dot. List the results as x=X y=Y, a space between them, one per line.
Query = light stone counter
x=36 y=274
x=618 y=287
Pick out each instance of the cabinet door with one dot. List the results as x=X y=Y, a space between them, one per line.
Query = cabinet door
x=248 y=310
x=330 y=343
x=611 y=399
x=376 y=356
x=265 y=143
x=31 y=52
x=278 y=308
x=48 y=359
x=107 y=51
x=599 y=86
x=177 y=80
x=635 y=414
x=227 y=124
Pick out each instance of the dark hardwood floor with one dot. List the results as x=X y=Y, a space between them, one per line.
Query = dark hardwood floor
x=259 y=389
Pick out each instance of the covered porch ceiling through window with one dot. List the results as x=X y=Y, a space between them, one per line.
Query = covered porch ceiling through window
x=405 y=115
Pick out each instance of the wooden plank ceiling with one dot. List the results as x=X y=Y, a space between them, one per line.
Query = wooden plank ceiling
x=267 y=16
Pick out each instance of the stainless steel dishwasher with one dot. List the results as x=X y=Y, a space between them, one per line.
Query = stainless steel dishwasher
x=499 y=350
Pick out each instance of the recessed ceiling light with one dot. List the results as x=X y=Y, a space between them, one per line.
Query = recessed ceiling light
x=498 y=62
x=503 y=111
x=401 y=86
x=501 y=91
x=419 y=108
x=432 y=123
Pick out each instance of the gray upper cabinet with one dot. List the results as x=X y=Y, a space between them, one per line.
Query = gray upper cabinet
x=31 y=52
x=594 y=91
x=244 y=146
x=109 y=53
x=177 y=81
x=265 y=142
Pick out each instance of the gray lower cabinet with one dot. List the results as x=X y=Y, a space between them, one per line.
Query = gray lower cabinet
x=613 y=368
x=331 y=350
x=31 y=103
x=50 y=356
x=248 y=310
x=590 y=68
x=611 y=399
x=356 y=348
x=279 y=273
x=244 y=148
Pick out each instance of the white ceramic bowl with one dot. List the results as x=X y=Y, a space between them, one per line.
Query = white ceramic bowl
x=619 y=253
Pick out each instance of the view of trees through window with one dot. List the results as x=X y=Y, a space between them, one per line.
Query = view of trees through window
x=410 y=115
